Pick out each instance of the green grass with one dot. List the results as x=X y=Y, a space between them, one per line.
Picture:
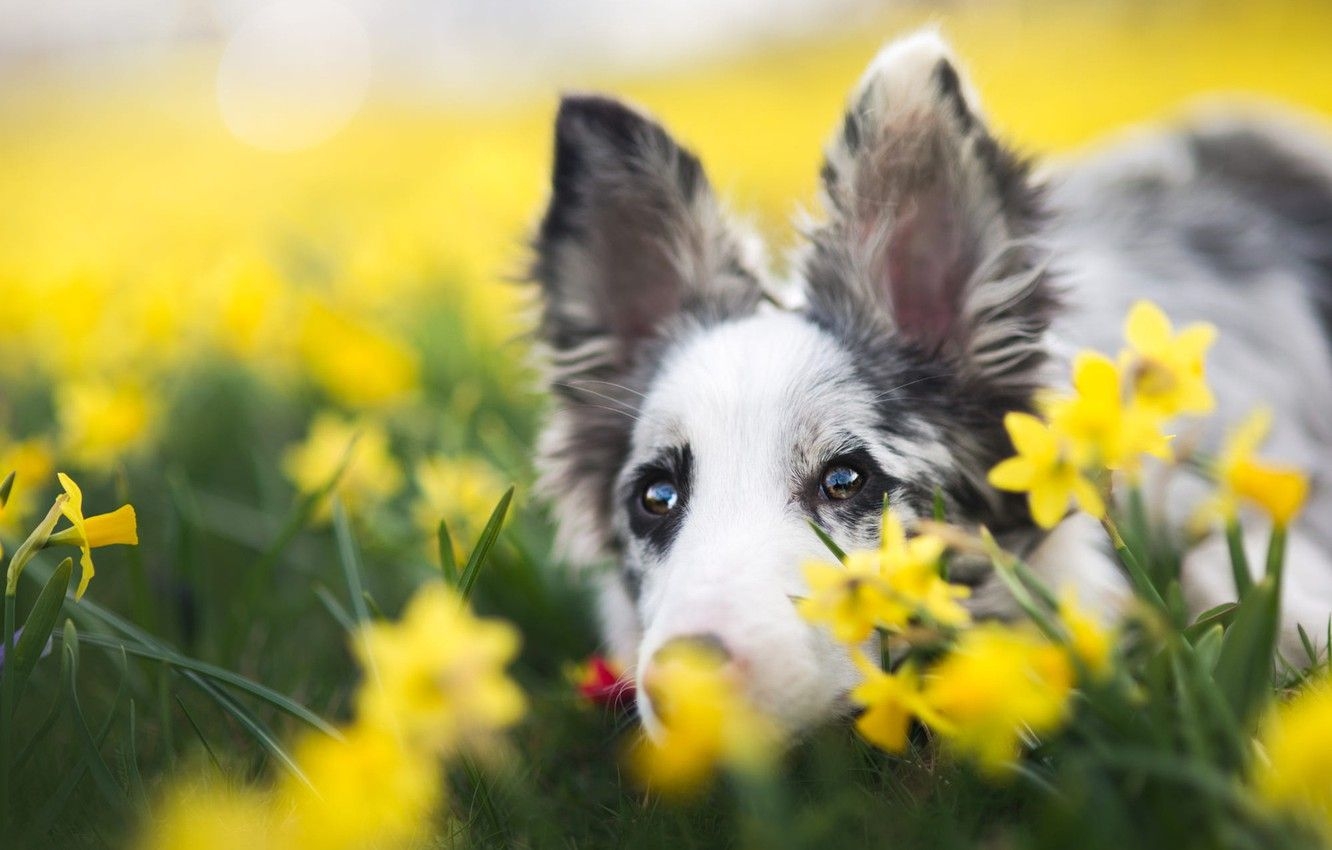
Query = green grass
x=224 y=634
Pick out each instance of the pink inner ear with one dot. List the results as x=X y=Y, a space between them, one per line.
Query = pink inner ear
x=923 y=268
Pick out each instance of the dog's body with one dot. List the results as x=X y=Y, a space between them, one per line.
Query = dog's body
x=700 y=427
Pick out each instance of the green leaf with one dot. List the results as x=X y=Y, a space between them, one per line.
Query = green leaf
x=6 y=487
x=1207 y=646
x=334 y=608
x=198 y=733
x=257 y=729
x=1223 y=615
x=131 y=760
x=1309 y=650
x=1243 y=669
x=105 y=782
x=41 y=622
x=828 y=542
x=215 y=673
x=484 y=544
x=1239 y=562
x=351 y=562
x=448 y=565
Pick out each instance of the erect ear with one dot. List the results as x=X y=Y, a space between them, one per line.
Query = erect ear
x=930 y=219
x=633 y=244
x=633 y=236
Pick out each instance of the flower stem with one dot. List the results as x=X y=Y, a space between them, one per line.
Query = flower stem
x=7 y=713
x=1141 y=580
x=1239 y=562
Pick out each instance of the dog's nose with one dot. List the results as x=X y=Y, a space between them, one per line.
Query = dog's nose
x=654 y=701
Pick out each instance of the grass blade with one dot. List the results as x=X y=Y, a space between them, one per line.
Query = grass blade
x=351 y=562
x=254 y=726
x=198 y=733
x=828 y=542
x=484 y=544
x=132 y=760
x=215 y=673
x=41 y=622
x=334 y=608
x=448 y=565
x=92 y=756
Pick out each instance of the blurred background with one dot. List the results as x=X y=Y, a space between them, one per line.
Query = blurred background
x=253 y=250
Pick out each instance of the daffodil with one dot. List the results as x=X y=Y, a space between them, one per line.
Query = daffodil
x=1043 y=470
x=116 y=528
x=911 y=570
x=852 y=599
x=462 y=491
x=891 y=701
x=31 y=461
x=884 y=588
x=213 y=815
x=1295 y=756
x=1101 y=428
x=995 y=685
x=356 y=363
x=706 y=724
x=1279 y=490
x=100 y=422
x=1091 y=643
x=357 y=452
x=437 y=676
x=369 y=789
x=1165 y=369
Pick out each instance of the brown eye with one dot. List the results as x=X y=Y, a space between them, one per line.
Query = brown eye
x=841 y=481
x=660 y=498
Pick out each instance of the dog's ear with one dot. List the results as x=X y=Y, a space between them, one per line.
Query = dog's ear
x=632 y=237
x=929 y=220
x=632 y=244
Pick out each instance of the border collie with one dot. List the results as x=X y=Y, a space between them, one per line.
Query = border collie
x=702 y=420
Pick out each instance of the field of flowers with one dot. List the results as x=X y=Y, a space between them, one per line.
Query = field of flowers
x=339 y=626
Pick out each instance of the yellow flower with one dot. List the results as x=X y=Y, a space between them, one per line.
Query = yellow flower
x=851 y=599
x=462 y=491
x=358 y=365
x=1101 y=430
x=88 y=533
x=1090 y=643
x=437 y=676
x=884 y=588
x=890 y=701
x=101 y=422
x=369 y=790
x=209 y=815
x=1043 y=470
x=997 y=683
x=706 y=724
x=30 y=461
x=370 y=476
x=1278 y=490
x=1166 y=369
x=1295 y=769
x=911 y=570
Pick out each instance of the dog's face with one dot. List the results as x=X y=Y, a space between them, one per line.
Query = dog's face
x=700 y=428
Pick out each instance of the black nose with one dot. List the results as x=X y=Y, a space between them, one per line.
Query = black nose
x=706 y=641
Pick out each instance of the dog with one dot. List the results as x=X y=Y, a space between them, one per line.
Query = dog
x=703 y=417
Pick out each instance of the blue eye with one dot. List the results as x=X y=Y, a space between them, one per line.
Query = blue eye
x=660 y=498
x=841 y=482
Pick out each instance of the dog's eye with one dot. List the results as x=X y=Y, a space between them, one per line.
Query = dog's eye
x=660 y=498
x=841 y=481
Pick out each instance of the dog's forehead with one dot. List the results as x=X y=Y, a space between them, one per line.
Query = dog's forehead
x=773 y=373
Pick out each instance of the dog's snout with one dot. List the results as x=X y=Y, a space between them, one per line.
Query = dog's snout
x=705 y=642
